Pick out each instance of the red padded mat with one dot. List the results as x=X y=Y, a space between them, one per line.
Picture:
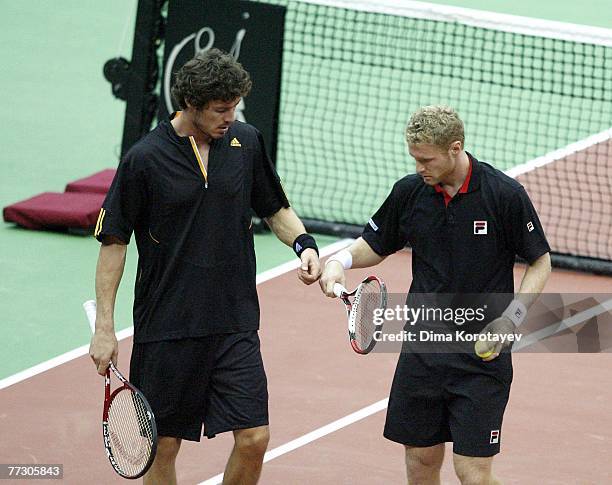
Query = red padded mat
x=98 y=183
x=52 y=210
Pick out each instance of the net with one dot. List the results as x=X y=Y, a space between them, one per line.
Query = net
x=535 y=96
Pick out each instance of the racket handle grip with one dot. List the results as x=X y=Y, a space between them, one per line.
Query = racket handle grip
x=90 y=310
x=339 y=289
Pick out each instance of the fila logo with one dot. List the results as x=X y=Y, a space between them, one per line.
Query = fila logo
x=373 y=225
x=480 y=227
x=235 y=142
x=494 y=437
x=530 y=226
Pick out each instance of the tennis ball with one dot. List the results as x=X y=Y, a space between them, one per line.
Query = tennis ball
x=481 y=350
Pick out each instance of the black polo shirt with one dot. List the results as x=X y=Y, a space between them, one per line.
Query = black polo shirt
x=467 y=246
x=196 y=264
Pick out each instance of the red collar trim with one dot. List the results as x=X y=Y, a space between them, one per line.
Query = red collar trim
x=462 y=190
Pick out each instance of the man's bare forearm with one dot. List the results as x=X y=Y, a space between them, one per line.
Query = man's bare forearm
x=534 y=280
x=360 y=255
x=363 y=255
x=109 y=271
x=286 y=225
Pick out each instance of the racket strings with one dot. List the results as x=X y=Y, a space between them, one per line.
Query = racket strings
x=368 y=300
x=130 y=432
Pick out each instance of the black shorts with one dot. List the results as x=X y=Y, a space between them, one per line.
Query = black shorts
x=218 y=381
x=449 y=397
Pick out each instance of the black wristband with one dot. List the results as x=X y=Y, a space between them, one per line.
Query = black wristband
x=304 y=241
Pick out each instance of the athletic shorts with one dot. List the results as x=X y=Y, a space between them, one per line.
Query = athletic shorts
x=437 y=398
x=216 y=381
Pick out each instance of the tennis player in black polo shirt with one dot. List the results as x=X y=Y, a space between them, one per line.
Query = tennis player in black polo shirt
x=466 y=222
x=186 y=191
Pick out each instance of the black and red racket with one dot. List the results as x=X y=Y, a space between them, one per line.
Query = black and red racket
x=128 y=424
x=361 y=305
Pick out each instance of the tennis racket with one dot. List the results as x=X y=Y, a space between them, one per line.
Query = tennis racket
x=361 y=303
x=128 y=424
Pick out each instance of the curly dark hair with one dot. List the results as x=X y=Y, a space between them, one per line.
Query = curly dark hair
x=211 y=76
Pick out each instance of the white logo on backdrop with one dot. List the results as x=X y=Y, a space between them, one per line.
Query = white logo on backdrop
x=198 y=49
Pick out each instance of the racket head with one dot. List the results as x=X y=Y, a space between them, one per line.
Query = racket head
x=370 y=295
x=129 y=431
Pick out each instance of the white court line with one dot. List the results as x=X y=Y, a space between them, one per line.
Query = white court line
x=570 y=322
x=556 y=155
x=314 y=435
x=606 y=306
x=295 y=263
x=128 y=332
x=56 y=361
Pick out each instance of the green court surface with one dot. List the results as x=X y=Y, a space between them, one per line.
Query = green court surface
x=49 y=275
x=588 y=12
x=62 y=123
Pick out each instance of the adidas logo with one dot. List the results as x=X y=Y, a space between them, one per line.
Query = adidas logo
x=235 y=142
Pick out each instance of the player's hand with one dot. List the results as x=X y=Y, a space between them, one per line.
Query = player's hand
x=102 y=349
x=332 y=273
x=310 y=269
x=490 y=349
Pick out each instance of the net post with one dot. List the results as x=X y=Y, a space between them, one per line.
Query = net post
x=143 y=73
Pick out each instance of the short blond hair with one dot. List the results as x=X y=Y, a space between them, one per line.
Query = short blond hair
x=435 y=125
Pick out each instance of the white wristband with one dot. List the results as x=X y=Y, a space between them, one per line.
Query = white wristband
x=344 y=257
x=516 y=312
